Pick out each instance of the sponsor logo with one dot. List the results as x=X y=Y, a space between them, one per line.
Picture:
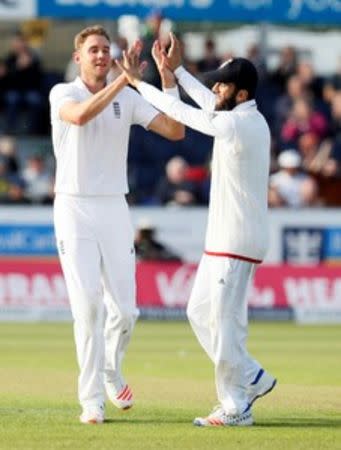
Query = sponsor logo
x=315 y=6
x=200 y=4
x=318 y=292
x=19 y=290
x=9 y=3
x=132 y=3
x=27 y=240
x=117 y=110
x=174 y=290
x=261 y=297
x=17 y=9
x=302 y=245
x=251 y=4
x=310 y=246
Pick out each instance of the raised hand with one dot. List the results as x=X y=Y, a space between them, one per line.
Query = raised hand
x=160 y=58
x=174 y=55
x=130 y=63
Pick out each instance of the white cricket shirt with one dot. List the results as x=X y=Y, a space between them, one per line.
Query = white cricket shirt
x=237 y=218
x=92 y=158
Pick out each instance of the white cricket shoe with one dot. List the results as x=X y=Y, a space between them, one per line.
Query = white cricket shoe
x=122 y=399
x=92 y=415
x=218 y=417
x=261 y=385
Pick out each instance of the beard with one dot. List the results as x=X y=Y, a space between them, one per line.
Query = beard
x=227 y=104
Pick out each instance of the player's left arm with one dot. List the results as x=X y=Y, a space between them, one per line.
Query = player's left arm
x=167 y=127
x=216 y=124
x=163 y=124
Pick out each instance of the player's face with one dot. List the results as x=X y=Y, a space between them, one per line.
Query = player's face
x=94 y=56
x=226 y=94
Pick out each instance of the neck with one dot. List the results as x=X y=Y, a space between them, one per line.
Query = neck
x=93 y=84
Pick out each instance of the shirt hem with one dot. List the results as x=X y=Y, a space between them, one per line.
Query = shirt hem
x=234 y=256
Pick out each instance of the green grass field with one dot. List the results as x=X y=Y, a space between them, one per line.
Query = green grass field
x=173 y=382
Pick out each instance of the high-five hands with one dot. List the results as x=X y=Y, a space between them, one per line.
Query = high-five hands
x=130 y=63
x=174 y=54
x=166 y=62
x=160 y=58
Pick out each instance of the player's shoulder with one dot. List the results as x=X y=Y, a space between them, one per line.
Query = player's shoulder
x=130 y=97
x=63 y=88
x=129 y=93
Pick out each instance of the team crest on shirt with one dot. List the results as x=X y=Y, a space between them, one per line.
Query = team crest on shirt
x=117 y=110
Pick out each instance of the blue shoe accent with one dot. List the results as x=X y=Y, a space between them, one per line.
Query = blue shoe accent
x=247 y=408
x=258 y=376
x=264 y=393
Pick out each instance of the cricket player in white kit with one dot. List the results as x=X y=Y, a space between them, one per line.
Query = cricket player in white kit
x=237 y=230
x=91 y=120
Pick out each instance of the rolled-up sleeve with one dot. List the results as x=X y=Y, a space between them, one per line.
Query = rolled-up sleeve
x=218 y=124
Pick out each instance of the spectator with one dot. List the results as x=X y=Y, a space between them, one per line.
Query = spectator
x=256 y=56
x=290 y=186
x=147 y=246
x=8 y=151
x=151 y=31
x=4 y=176
x=286 y=68
x=332 y=85
x=39 y=182
x=284 y=104
x=305 y=71
x=3 y=80
x=24 y=76
x=174 y=188
x=303 y=119
x=332 y=168
x=308 y=147
x=15 y=194
x=210 y=60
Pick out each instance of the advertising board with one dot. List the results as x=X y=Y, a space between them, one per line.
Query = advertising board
x=35 y=289
x=18 y=9
x=275 y=11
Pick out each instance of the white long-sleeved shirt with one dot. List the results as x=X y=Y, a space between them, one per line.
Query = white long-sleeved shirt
x=237 y=218
x=92 y=159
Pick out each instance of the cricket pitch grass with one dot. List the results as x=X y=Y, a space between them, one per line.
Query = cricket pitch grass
x=172 y=381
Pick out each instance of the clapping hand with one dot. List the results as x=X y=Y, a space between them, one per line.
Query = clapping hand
x=130 y=63
x=174 y=54
x=160 y=58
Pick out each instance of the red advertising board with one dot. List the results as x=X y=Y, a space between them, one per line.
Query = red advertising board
x=38 y=283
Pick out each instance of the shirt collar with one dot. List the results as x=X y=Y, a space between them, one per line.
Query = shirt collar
x=245 y=105
x=80 y=83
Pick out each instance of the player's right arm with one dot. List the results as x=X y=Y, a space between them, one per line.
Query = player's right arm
x=80 y=112
x=203 y=96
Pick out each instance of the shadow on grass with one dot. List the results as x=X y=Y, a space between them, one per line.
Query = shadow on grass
x=293 y=422
x=301 y=422
x=176 y=421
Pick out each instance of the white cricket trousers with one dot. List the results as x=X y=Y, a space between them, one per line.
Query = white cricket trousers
x=217 y=311
x=95 y=240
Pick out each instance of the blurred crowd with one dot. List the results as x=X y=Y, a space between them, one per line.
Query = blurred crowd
x=302 y=108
